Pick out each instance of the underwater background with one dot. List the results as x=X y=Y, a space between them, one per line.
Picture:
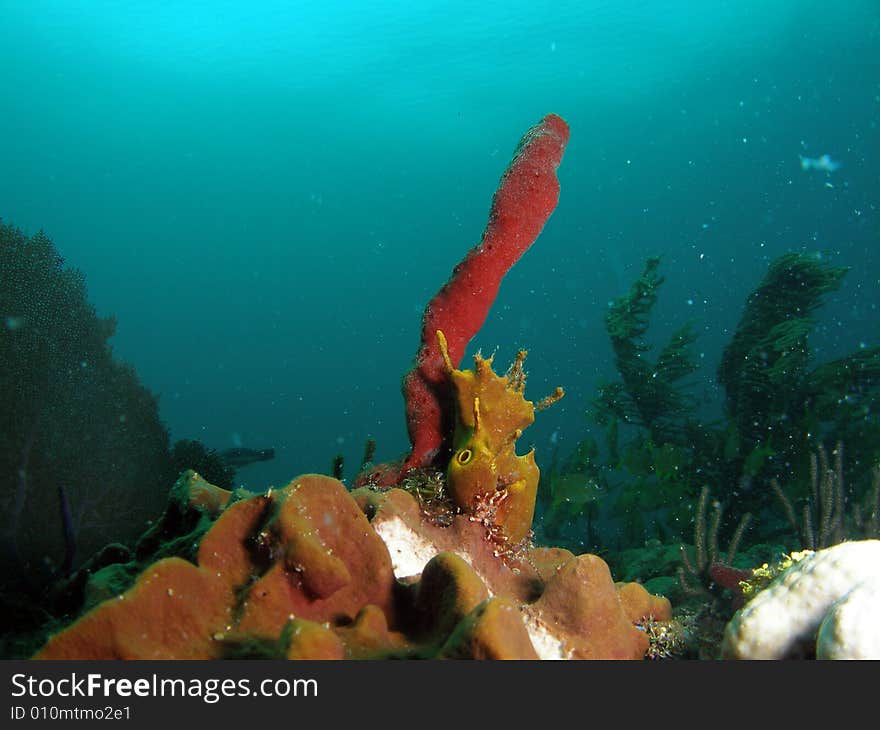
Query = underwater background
x=264 y=196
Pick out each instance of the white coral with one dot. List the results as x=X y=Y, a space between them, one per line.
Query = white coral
x=836 y=589
x=851 y=629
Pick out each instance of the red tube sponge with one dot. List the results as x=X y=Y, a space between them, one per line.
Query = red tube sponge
x=525 y=198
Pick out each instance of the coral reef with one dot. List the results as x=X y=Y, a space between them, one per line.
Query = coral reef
x=439 y=568
x=433 y=556
x=192 y=506
x=823 y=605
x=301 y=571
x=525 y=198
x=305 y=550
x=312 y=571
x=648 y=482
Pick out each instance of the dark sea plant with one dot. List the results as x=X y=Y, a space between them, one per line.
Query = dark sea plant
x=84 y=457
x=649 y=393
x=779 y=408
x=192 y=454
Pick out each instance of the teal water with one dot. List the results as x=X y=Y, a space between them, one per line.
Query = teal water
x=266 y=194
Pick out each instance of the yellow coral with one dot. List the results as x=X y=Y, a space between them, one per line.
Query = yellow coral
x=764 y=574
x=485 y=471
